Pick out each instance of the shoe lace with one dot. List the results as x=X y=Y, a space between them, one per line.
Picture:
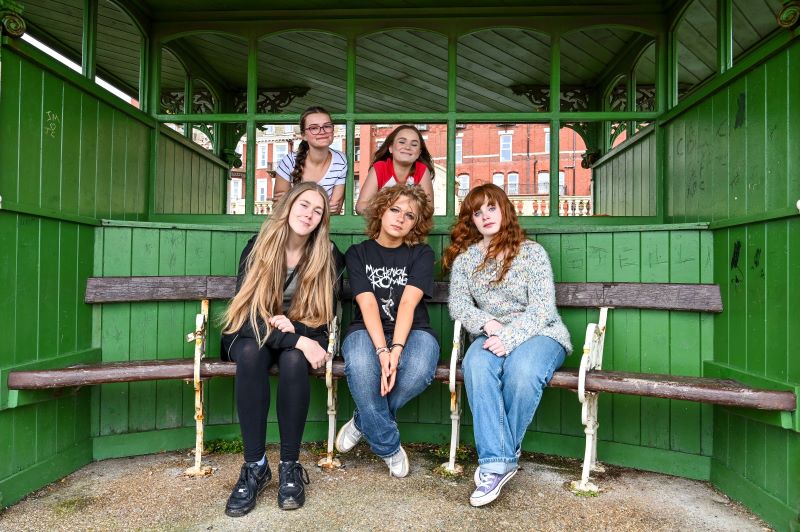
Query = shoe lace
x=296 y=474
x=247 y=479
x=485 y=480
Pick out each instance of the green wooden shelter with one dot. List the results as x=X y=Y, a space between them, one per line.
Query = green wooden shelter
x=703 y=189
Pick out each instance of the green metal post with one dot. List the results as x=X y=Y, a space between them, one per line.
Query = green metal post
x=350 y=109
x=555 y=124
x=89 y=41
x=724 y=35
x=252 y=94
x=452 y=83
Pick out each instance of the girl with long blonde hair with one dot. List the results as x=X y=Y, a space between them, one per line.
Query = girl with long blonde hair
x=502 y=291
x=284 y=301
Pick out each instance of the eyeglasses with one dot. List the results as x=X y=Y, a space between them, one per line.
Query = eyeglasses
x=316 y=130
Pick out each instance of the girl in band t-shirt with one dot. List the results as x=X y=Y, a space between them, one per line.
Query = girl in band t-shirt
x=315 y=160
x=402 y=159
x=390 y=350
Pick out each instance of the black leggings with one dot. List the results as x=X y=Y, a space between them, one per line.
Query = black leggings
x=252 y=396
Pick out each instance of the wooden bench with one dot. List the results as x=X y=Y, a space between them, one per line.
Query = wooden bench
x=589 y=380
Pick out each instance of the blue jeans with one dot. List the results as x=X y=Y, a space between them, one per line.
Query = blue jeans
x=504 y=393
x=375 y=416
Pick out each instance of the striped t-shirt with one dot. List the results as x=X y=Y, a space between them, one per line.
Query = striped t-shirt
x=336 y=174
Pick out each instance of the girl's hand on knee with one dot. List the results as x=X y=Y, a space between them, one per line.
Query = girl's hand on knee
x=495 y=345
x=282 y=323
x=313 y=352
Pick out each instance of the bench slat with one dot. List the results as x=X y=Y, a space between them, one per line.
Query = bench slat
x=660 y=296
x=714 y=391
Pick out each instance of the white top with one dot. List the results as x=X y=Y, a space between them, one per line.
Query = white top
x=336 y=174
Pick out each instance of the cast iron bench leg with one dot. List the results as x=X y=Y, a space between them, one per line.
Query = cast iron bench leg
x=592 y=359
x=455 y=400
x=329 y=461
x=199 y=339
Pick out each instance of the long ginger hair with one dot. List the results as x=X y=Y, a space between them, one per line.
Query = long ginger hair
x=261 y=294
x=505 y=242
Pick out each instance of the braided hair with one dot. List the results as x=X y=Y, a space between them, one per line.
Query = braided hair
x=302 y=150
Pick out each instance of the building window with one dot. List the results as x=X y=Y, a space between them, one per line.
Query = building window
x=459 y=150
x=236 y=189
x=268 y=129
x=279 y=149
x=288 y=128
x=543 y=183
x=357 y=153
x=547 y=140
x=262 y=156
x=421 y=127
x=463 y=185
x=261 y=190
x=499 y=180
x=513 y=183
x=505 y=148
x=562 y=188
x=337 y=144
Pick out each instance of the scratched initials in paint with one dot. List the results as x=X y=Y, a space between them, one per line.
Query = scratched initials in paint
x=51 y=122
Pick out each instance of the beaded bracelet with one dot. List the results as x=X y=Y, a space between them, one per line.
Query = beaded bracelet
x=402 y=346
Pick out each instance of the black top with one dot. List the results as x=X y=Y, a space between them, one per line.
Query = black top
x=278 y=339
x=385 y=272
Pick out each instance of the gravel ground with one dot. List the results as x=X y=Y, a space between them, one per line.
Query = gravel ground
x=151 y=493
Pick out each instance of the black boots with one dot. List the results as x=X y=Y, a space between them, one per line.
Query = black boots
x=291 y=492
x=252 y=481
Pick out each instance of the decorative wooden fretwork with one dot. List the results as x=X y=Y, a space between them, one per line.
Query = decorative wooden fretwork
x=589 y=157
x=572 y=98
x=231 y=157
x=203 y=102
x=270 y=100
x=617 y=128
x=789 y=15
x=172 y=102
x=11 y=21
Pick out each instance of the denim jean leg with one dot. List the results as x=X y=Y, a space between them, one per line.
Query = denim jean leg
x=416 y=369
x=527 y=370
x=373 y=417
x=483 y=372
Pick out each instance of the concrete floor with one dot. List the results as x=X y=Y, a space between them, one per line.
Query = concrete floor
x=150 y=492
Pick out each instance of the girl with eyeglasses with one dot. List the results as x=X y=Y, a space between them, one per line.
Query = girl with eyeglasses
x=402 y=159
x=314 y=160
x=390 y=350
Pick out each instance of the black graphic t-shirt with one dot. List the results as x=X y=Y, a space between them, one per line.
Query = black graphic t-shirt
x=385 y=272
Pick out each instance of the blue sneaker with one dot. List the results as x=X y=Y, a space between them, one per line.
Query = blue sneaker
x=489 y=487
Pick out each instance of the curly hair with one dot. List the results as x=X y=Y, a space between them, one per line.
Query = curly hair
x=424 y=155
x=302 y=150
x=505 y=242
x=387 y=197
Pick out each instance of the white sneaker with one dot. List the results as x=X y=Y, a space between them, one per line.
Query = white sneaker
x=477 y=476
x=398 y=464
x=347 y=437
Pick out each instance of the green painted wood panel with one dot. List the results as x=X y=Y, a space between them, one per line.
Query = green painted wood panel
x=732 y=154
x=45 y=322
x=625 y=182
x=188 y=182
x=67 y=154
